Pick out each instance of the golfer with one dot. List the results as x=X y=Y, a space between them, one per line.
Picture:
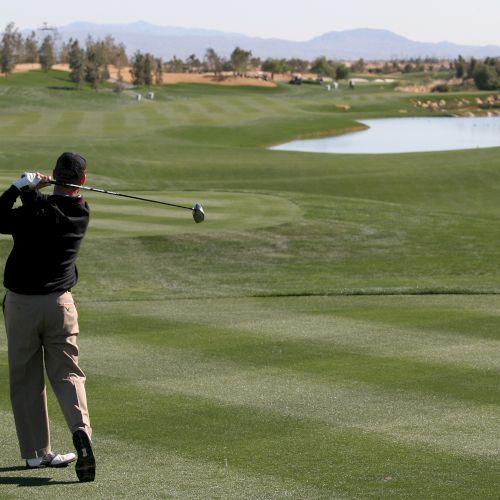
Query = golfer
x=41 y=319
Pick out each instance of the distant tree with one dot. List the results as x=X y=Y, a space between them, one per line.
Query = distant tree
x=270 y=65
x=158 y=71
x=113 y=53
x=493 y=61
x=9 y=48
x=471 y=68
x=213 y=61
x=144 y=66
x=193 y=64
x=486 y=77
x=137 y=68
x=46 y=53
x=408 y=68
x=76 y=57
x=176 y=65
x=296 y=65
x=341 y=72
x=322 y=67
x=460 y=67
x=275 y=66
x=64 y=51
x=95 y=70
x=240 y=60
x=30 y=49
x=255 y=63
x=285 y=66
x=108 y=48
x=386 y=68
x=358 y=66
x=396 y=68
x=149 y=68
x=119 y=56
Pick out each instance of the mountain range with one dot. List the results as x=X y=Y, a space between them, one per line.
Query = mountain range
x=369 y=44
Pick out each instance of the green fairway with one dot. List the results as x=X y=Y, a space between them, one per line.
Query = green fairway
x=330 y=330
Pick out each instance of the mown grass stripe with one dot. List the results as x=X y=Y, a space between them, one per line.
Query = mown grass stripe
x=324 y=361
x=243 y=106
x=16 y=124
x=43 y=126
x=409 y=417
x=68 y=123
x=181 y=477
x=323 y=320
x=264 y=443
x=213 y=107
x=275 y=105
x=91 y=124
x=153 y=117
x=190 y=113
x=114 y=122
x=105 y=226
x=136 y=120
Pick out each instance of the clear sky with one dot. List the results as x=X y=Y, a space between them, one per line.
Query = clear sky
x=458 y=21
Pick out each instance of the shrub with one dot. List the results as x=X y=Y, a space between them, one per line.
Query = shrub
x=486 y=77
x=441 y=87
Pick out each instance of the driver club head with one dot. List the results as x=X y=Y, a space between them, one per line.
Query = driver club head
x=198 y=213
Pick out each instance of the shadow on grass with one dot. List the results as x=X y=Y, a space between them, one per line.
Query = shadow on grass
x=27 y=482
x=55 y=87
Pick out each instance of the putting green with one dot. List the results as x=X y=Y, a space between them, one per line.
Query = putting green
x=227 y=211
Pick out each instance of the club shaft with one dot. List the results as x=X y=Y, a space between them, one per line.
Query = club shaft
x=113 y=193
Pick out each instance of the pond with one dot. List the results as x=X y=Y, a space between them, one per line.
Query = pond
x=407 y=135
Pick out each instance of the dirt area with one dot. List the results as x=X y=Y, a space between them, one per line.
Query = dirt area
x=23 y=68
x=415 y=89
x=423 y=89
x=168 y=78
x=173 y=78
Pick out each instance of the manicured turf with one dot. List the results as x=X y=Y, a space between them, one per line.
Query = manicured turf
x=330 y=330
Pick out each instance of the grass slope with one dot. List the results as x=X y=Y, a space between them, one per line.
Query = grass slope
x=330 y=330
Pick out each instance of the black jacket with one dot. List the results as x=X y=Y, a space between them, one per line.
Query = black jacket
x=47 y=233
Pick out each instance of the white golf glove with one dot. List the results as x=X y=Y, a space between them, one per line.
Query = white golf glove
x=27 y=182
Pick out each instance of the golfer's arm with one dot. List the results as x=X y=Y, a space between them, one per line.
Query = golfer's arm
x=32 y=196
x=7 y=216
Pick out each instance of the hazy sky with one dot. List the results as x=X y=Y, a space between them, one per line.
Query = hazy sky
x=473 y=23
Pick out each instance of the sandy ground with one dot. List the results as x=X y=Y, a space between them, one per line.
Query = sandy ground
x=22 y=68
x=168 y=78
x=173 y=78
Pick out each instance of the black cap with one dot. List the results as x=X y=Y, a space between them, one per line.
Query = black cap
x=70 y=167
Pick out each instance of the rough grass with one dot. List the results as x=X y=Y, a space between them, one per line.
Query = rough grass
x=330 y=330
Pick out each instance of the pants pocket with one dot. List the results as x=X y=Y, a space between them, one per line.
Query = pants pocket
x=69 y=317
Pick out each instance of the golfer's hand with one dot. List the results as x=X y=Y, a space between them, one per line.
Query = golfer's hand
x=30 y=181
x=45 y=180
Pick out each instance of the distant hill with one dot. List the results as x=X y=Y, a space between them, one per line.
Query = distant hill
x=370 y=44
x=383 y=44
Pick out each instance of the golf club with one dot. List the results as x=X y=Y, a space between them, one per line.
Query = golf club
x=198 y=212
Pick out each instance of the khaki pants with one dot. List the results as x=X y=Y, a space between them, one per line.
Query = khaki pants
x=41 y=333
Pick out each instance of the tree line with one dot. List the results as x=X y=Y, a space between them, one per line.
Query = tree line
x=242 y=61
x=89 y=62
x=485 y=74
